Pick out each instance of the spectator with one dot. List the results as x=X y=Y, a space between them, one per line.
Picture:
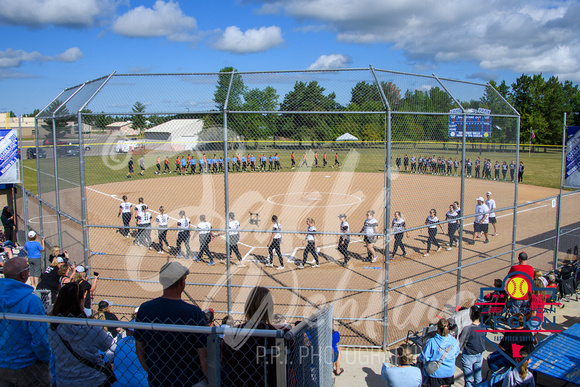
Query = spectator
x=441 y=348
x=540 y=275
x=80 y=277
x=209 y=317
x=227 y=322
x=243 y=355
x=65 y=272
x=473 y=346
x=171 y=358
x=523 y=266
x=105 y=308
x=33 y=250
x=76 y=347
x=24 y=349
x=336 y=355
x=55 y=252
x=520 y=376
x=517 y=338
x=50 y=278
x=127 y=368
x=405 y=373
x=535 y=319
x=8 y=223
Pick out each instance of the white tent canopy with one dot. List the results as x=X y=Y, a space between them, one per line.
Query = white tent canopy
x=347 y=137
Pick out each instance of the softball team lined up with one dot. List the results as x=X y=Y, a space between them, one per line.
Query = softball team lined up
x=452 y=167
x=485 y=214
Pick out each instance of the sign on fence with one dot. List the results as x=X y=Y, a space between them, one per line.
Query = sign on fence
x=9 y=169
x=476 y=125
x=572 y=157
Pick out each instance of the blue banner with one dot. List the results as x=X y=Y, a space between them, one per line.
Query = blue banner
x=9 y=172
x=572 y=177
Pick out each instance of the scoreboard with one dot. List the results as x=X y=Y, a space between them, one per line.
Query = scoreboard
x=477 y=125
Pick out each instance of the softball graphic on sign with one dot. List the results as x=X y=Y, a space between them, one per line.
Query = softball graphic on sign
x=517 y=288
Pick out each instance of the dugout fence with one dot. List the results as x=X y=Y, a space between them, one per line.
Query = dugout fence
x=91 y=131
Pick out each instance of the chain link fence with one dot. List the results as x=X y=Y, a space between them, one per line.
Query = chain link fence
x=244 y=176
x=130 y=353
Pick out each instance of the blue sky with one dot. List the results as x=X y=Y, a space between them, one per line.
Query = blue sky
x=48 y=45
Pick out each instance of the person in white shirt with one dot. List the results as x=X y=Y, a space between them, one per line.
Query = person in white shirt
x=162 y=220
x=432 y=221
x=481 y=222
x=203 y=228
x=125 y=212
x=398 y=228
x=145 y=223
x=490 y=203
x=274 y=243
x=183 y=234
x=310 y=244
x=235 y=238
x=370 y=229
x=139 y=209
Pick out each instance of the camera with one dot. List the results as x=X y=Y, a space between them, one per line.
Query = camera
x=95 y=274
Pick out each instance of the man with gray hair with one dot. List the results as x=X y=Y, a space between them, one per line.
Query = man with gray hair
x=171 y=358
x=24 y=348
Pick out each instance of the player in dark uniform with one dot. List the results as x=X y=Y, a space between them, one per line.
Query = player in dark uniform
x=449 y=165
x=292 y=160
x=398 y=162
x=468 y=167
x=324 y=160
x=432 y=221
x=316 y=159
x=158 y=164
x=130 y=166
x=235 y=238
x=398 y=228
x=336 y=162
x=277 y=162
x=370 y=230
x=413 y=164
x=183 y=234
x=477 y=167
x=406 y=162
x=512 y=170
x=455 y=166
x=504 y=169
x=203 y=228
x=166 y=169
x=344 y=238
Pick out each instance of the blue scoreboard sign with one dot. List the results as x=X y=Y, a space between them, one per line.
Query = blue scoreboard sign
x=477 y=125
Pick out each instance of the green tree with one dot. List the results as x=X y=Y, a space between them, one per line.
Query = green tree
x=60 y=121
x=138 y=120
x=237 y=89
x=258 y=126
x=308 y=97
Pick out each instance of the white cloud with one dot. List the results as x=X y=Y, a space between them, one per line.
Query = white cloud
x=332 y=61
x=519 y=35
x=6 y=74
x=14 y=58
x=252 y=40
x=70 y=13
x=164 y=19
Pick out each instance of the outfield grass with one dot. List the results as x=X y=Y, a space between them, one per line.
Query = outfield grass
x=542 y=169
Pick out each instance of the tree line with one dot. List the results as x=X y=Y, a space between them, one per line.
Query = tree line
x=540 y=102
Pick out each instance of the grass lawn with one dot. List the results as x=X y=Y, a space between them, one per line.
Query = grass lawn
x=542 y=169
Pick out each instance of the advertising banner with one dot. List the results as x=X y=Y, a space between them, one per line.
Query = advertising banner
x=572 y=177
x=9 y=167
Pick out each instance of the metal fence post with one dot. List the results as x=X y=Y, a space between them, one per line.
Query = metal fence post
x=559 y=211
x=24 y=195
x=84 y=212
x=517 y=173
x=462 y=204
x=38 y=172
x=56 y=189
x=213 y=359
x=281 y=362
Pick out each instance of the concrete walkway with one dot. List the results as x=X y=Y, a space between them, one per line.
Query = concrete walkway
x=363 y=367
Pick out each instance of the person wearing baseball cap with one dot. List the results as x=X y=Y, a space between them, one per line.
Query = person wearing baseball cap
x=171 y=358
x=490 y=203
x=34 y=252
x=481 y=222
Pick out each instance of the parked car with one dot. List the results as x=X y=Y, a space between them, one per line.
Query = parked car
x=68 y=151
x=50 y=142
x=31 y=153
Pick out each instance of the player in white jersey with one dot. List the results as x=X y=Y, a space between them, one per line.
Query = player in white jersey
x=235 y=238
x=398 y=228
x=162 y=220
x=139 y=209
x=274 y=243
x=344 y=238
x=183 y=234
x=490 y=203
x=481 y=222
x=432 y=221
x=370 y=230
x=145 y=224
x=203 y=228
x=452 y=226
x=125 y=212
x=310 y=244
